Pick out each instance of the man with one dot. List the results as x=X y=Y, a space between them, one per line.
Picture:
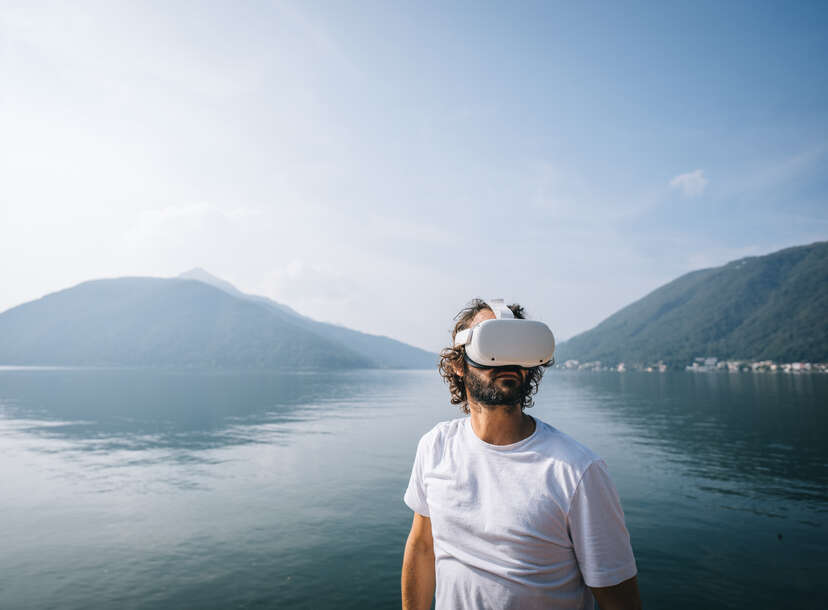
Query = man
x=508 y=511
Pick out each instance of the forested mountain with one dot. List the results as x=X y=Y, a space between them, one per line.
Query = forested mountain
x=772 y=307
x=168 y=322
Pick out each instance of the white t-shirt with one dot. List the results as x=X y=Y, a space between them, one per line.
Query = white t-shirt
x=525 y=525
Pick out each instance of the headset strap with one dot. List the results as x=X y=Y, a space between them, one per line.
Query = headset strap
x=463 y=337
x=498 y=306
x=501 y=311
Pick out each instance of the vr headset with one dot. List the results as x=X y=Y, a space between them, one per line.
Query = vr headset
x=507 y=340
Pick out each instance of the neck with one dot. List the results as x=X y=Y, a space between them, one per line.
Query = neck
x=501 y=424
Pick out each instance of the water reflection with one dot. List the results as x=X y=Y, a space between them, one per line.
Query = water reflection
x=161 y=489
x=739 y=434
x=109 y=410
x=169 y=489
x=143 y=431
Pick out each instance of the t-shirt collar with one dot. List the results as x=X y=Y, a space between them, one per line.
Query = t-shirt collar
x=469 y=431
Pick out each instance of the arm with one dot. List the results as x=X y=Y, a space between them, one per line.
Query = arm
x=601 y=541
x=418 y=578
x=623 y=596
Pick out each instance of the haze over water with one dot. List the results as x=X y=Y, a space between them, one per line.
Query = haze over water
x=169 y=489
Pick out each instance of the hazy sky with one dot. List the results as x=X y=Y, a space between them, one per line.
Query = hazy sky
x=378 y=164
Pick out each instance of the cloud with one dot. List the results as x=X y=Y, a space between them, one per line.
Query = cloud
x=690 y=184
x=775 y=173
x=176 y=221
x=308 y=285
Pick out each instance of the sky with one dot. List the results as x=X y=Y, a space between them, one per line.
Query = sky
x=379 y=164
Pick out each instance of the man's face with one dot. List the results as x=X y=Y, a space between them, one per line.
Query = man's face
x=502 y=385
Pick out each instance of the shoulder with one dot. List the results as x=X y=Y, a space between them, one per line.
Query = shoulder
x=567 y=459
x=563 y=448
x=440 y=434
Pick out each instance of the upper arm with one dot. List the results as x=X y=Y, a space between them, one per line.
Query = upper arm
x=623 y=596
x=598 y=532
x=415 y=493
x=420 y=535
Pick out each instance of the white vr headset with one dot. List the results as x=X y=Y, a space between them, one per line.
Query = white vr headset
x=507 y=340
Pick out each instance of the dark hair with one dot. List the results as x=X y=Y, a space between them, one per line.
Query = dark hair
x=452 y=358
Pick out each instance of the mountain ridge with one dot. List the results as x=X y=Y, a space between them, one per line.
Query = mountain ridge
x=770 y=307
x=385 y=351
x=142 y=321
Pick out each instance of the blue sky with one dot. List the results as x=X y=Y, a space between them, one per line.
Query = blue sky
x=378 y=164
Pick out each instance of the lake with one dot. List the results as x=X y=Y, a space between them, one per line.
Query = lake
x=203 y=489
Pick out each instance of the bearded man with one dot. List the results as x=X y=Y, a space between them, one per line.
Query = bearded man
x=509 y=512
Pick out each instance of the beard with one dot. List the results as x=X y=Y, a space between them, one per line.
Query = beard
x=490 y=392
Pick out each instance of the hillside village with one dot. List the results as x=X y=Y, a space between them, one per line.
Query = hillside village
x=703 y=364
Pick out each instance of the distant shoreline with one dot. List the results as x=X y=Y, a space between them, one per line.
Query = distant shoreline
x=702 y=365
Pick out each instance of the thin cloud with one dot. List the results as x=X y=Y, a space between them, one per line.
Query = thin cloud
x=690 y=184
x=775 y=174
x=151 y=224
x=304 y=284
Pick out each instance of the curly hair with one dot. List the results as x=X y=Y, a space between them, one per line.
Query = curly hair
x=451 y=358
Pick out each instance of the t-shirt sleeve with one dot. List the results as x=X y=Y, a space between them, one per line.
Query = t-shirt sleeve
x=415 y=496
x=599 y=535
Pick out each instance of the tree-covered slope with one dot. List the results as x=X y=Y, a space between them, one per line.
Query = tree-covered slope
x=772 y=307
x=161 y=322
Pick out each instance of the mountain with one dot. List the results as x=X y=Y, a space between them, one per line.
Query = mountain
x=141 y=321
x=199 y=274
x=772 y=307
x=383 y=352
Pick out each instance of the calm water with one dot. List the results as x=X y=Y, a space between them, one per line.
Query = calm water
x=148 y=489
